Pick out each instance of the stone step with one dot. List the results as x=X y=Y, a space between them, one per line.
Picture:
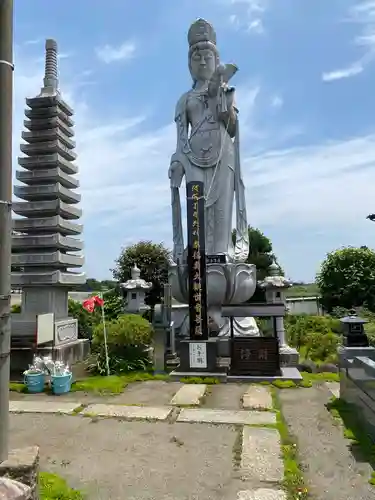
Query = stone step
x=189 y=395
x=261 y=455
x=128 y=412
x=51 y=406
x=257 y=397
x=230 y=417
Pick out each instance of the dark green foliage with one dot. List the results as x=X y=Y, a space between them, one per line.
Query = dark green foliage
x=153 y=261
x=260 y=252
x=316 y=337
x=86 y=320
x=113 y=304
x=128 y=338
x=347 y=279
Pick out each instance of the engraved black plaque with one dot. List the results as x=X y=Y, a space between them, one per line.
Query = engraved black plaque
x=257 y=356
x=196 y=261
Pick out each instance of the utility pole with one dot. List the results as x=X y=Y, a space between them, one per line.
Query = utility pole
x=6 y=103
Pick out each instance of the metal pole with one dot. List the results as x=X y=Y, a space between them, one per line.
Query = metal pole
x=6 y=98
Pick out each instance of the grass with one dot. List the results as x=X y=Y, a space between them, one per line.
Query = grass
x=306 y=290
x=113 y=384
x=53 y=487
x=294 y=483
x=362 y=444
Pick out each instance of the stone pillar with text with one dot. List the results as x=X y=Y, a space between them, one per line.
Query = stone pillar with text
x=199 y=352
x=46 y=248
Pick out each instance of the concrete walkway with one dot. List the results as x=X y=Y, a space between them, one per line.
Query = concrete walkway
x=175 y=447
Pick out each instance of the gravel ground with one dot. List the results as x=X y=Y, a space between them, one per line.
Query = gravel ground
x=330 y=469
x=134 y=460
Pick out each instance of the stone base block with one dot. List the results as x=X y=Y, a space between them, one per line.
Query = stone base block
x=348 y=353
x=70 y=353
x=23 y=466
x=289 y=356
x=178 y=375
x=189 y=356
x=288 y=373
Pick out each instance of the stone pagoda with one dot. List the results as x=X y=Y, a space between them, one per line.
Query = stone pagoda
x=275 y=285
x=45 y=243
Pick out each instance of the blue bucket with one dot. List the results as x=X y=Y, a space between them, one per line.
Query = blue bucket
x=35 y=382
x=61 y=384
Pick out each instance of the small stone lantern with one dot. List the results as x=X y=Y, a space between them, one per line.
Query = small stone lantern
x=353 y=331
x=275 y=286
x=134 y=291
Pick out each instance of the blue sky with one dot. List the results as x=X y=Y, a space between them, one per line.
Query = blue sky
x=305 y=93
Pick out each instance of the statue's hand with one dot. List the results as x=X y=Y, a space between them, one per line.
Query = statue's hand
x=176 y=173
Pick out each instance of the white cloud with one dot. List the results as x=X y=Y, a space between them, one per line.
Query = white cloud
x=363 y=15
x=109 y=54
x=277 y=101
x=308 y=192
x=338 y=74
x=247 y=14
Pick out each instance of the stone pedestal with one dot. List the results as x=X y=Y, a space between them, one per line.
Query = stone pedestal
x=227 y=283
x=23 y=466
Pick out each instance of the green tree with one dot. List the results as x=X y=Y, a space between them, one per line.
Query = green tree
x=153 y=262
x=347 y=279
x=261 y=253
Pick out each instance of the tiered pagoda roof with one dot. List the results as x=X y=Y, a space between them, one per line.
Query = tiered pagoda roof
x=44 y=242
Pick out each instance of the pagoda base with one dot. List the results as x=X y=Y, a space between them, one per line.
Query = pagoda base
x=70 y=353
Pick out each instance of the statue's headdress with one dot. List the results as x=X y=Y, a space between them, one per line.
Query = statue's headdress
x=201 y=31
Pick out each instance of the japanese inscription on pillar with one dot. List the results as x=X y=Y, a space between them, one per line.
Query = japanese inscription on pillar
x=196 y=261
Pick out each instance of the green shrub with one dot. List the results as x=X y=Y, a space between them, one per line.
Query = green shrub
x=322 y=347
x=128 y=338
x=53 y=487
x=86 y=320
x=16 y=308
x=299 y=326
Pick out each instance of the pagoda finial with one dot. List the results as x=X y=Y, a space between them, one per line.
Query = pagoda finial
x=51 y=80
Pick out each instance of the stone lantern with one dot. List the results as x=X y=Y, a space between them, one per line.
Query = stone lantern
x=275 y=286
x=353 y=331
x=134 y=291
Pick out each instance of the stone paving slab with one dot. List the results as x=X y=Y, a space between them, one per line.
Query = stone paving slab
x=231 y=417
x=257 y=397
x=128 y=412
x=39 y=406
x=262 y=494
x=261 y=455
x=189 y=395
x=150 y=393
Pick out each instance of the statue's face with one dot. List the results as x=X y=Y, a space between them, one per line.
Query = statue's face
x=203 y=64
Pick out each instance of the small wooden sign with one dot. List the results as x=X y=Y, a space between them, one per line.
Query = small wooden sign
x=255 y=356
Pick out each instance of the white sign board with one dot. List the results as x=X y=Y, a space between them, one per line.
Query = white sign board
x=45 y=325
x=197 y=355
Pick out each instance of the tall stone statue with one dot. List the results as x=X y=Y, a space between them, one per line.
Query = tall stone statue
x=208 y=149
x=208 y=152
